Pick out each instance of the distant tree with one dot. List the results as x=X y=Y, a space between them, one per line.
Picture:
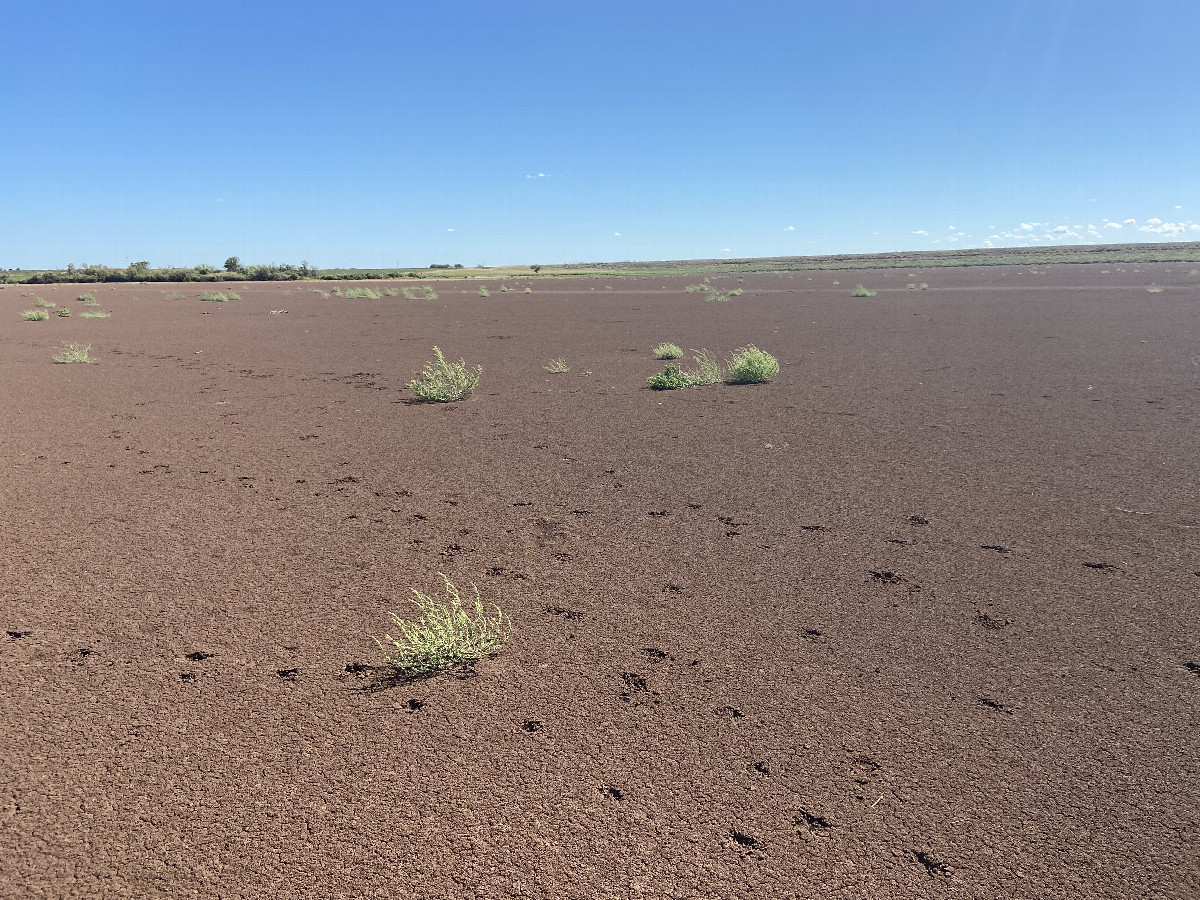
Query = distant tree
x=139 y=269
x=536 y=268
x=233 y=264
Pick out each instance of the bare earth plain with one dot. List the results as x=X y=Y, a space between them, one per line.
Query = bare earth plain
x=917 y=619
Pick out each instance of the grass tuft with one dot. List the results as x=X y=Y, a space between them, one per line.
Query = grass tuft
x=698 y=288
x=424 y=292
x=95 y=314
x=73 y=353
x=211 y=297
x=860 y=291
x=35 y=315
x=43 y=304
x=708 y=368
x=448 y=633
x=63 y=312
x=557 y=366
x=362 y=294
x=84 y=298
x=483 y=292
x=1154 y=289
x=168 y=297
x=749 y=365
x=444 y=382
x=667 y=351
x=529 y=290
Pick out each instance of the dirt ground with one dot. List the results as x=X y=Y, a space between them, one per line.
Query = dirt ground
x=919 y=618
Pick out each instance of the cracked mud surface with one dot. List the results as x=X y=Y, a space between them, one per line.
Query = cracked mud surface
x=917 y=619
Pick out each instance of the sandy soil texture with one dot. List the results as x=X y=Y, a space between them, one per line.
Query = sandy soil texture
x=917 y=619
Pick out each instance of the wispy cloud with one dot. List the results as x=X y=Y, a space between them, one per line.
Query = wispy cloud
x=790 y=228
x=920 y=232
x=616 y=234
x=449 y=229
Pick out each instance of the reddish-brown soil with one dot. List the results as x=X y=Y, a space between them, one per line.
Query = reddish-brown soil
x=917 y=619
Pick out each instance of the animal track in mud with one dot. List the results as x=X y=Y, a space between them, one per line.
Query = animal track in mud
x=531 y=725
x=673 y=589
x=1100 y=565
x=655 y=654
x=287 y=673
x=917 y=520
x=694 y=505
x=887 y=577
x=357 y=668
x=995 y=547
x=187 y=676
x=199 y=656
x=85 y=652
x=812 y=634
x=993 y=624
x=1192 y=667
x=415 y=704
x=657 y=514
x=743 y=839
x=563 y=557
x=812 y=821
x=900 y=541
x=581 y=512
x=613 y=792
x=564 y=612
x=523 y=503
x=761 y=768
x=992 y=703
x=813 y=528
x=634 y=684
x=732 y=711
x=17 y=635
x=933 y=866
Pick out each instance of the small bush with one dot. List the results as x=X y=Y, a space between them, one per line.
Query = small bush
x=63 y=312
x=667 y=351
x=211 y=297
x=175 y=297
x=716 y=298
x=708 y=368
x=698 y=288
x=529 y=290
x=447 y=634
x=860 y=291
x=737 y=292
x=422 y=292
x=84 y=298
x=391 y=292
x=233 y=296
x=912 y=286
x=35 y=315
x=557 y=366
x=923 y=286
x=671 y=378
x=749 y=365
x=504 y=289
x=444 y=382
x=1154 y=289
x=95 y=314
x=43 y=304
x=483 y=292
x=362 y=294
x=73 y=353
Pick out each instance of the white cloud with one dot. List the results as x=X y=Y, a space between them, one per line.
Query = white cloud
x=541 y=174
x=449 y=229
x=1154 y=221
x=1177 y=206
x=1112 y=224
x=920 y=232
x=616 y=234
x=1131 y=221
x=726 y=250
x=790 y=228
x=1028 y=226
x=1170 y=229
x=951 y=228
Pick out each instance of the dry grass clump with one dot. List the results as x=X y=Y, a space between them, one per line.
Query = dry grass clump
x=749 y=365
x=557 y=366
x=667 y=351
x=447 y=634
x=73 y=353
x=860 y=291
x=35 y=315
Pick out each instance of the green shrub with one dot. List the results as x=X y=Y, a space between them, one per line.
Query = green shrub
x=63 y=312
x=529 y=290
x=708 y=368
x=860 y=291
x=175 y=297
x=912 y=286
x=557 y=366
x=43 y=304
x=362 y=294
x=84 y=298
x=667 y=351
x=443 y=382
x=73 y=353
x=210 y=297
x=504 y=289
x=447 y=634
x=749 y=365
x=422 y=292
x=671 y=378
x=923 y=286
x=698 y=288
x=716 y=298
x=95 y=314
x=35 y=315
x=483 y=292
x=737 y=292
x=391 y=292
x=1154 y=289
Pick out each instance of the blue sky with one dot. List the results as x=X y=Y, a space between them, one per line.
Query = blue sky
x=365 y=133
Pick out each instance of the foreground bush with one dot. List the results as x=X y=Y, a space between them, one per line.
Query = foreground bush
x=443 y=382
x=35 y=315
x=749 y=365
x=671 y=378
x=73 y=353
x=447 y=634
